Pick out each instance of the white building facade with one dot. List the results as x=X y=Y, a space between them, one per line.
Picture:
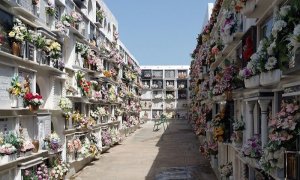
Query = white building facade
x=165 y=90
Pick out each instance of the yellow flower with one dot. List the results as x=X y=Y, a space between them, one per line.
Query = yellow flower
x=12 y=34
x=56 y=46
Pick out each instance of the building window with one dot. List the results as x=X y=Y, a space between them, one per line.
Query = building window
x=170 y=74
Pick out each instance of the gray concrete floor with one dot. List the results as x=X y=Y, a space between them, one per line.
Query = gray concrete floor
x=159 y=155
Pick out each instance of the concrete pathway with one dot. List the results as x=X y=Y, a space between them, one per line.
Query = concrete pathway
x=160 y=155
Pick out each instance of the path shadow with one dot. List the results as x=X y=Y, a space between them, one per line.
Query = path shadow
x=178 y=156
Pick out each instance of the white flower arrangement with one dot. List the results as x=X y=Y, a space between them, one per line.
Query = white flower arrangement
x=270 y=49
x=154 y=85
x=271 y=63
x=146 y=86
x=238 y=125
x=284 y=10
x=85 y=147
x=170 y=96
x=272 y=159
x=181 y=86
x=158 y=96
x=277 y=27
x=18 y=31
x=65 y=104
x=102 y=111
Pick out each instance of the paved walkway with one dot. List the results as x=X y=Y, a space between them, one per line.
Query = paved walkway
x=160 y=155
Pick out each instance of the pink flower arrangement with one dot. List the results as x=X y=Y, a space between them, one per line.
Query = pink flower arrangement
x=283 y=125
x=70 y=146
x=27 y=146
x=215 y=50
x=76 y=17
x=7 y=149
x=77 y=144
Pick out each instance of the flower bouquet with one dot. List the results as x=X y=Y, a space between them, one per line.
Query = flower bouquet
x=18 y=34
x=106 y=138
x=107 y=74
x=252 y=148
x=212 y=148
x=85 y=149
x=26 y=148
x=7 y=152
x=50 y=10
x=281 y=135
x=52 y=142
x=76 y=145
x=83 y=84
x=226 y=170
x=59 y=170
x=229 y=27
x=100 y=14
x=154 y=86
x=65 y=104
x=102 y=111
x=15 y=91
x=41 y=173
x=170 y=96
x=33 y=100
x=53 y=48
x=238 y=125
x=70 y=147
x=18 y=31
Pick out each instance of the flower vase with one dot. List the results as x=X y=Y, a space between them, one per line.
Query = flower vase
x=39 y=56
x=270 y=77
x=33 y=108
x=14 y=101
x=16 y=48
x=252 y=82
x=7 y=158
x=23 y=49
x=36 y=145
x=20 y=102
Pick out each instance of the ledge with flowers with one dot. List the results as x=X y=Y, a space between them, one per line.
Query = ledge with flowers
x=276 y=53
x=48 y=51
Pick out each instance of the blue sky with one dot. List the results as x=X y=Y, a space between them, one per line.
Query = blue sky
x=159 y=32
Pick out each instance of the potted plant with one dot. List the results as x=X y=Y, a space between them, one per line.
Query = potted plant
x=50 y=10
x=17 y=34
x=33 y=101
x=100 y=15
